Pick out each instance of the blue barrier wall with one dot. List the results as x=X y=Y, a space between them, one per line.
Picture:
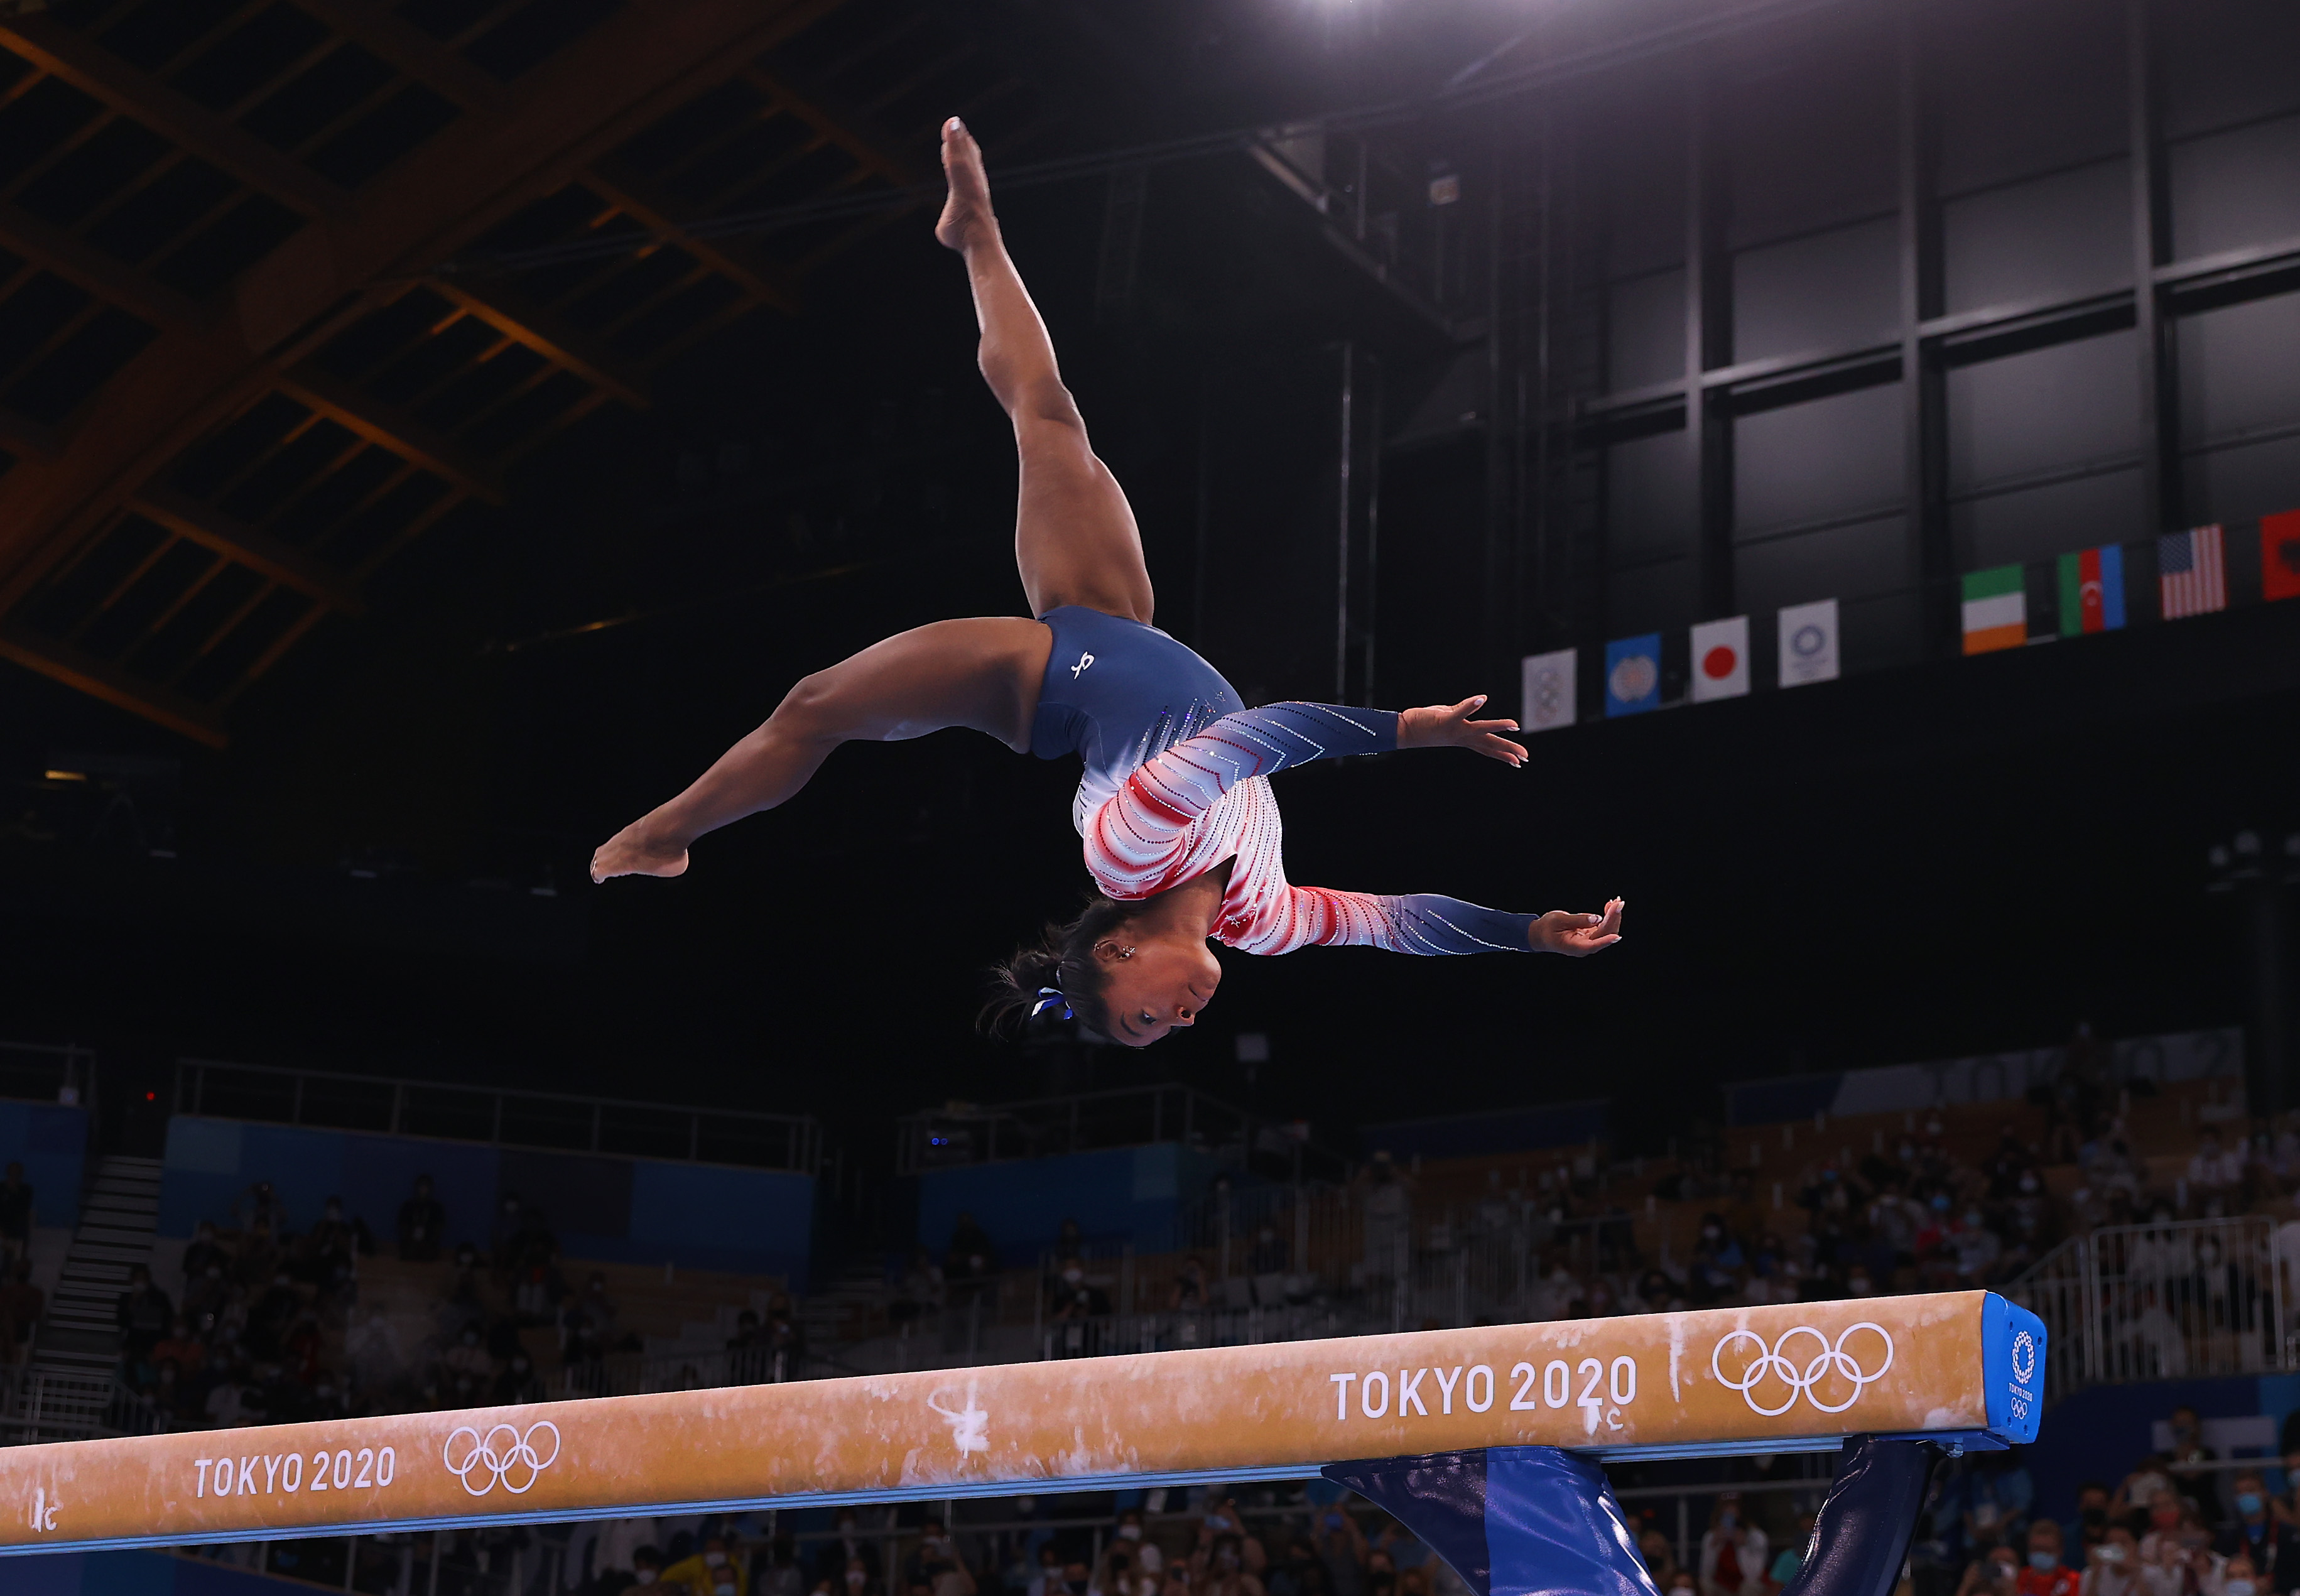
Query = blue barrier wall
x=626 y=1210
x=2103 y=1432
x=1503 y=1131
x=50 y=1141
x=1129 y=1193
x=134 y=1574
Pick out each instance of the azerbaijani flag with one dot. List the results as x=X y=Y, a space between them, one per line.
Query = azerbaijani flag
x=2092 y=590
x=1996 y=610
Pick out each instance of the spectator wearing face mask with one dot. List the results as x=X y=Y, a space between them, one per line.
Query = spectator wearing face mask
x=2190 y=1459
x=840 y=1553
x=1996 y=1575
x=1073 y=1304
x=2214 y=1169
x=1048 y=1581
x=2111 y=1567
x=646 y=1573
x=2272 y=1543
x=944 y=1570
x=1732 y=1551
x=2161 y=1519
x=1342 y=1547
x=1149 y=1558
x=2046 y=1575
x=718 y=1569
x=2089 y=1527
x=2238 y=1577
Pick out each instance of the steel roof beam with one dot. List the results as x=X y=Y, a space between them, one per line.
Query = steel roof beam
x=95 y=71
x=99 y=678
x=259 y=551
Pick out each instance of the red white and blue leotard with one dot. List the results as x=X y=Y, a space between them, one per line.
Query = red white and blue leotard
x=1178 y=780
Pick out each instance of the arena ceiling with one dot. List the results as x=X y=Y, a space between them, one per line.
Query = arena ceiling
x=236 y=380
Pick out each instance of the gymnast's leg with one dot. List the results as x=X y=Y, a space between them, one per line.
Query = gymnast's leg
x=982 y=673
x=1074 y=534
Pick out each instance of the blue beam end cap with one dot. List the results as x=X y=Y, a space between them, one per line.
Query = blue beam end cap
x=2012 y=1365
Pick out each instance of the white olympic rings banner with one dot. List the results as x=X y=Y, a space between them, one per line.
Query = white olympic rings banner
x=1774 y=1361
x=493 y=1465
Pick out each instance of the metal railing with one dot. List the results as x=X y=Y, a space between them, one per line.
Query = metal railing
x=40 y=1405
x=554 y=1121
x=1083 y=1122
x=43 y=1073
x=2175 y=1301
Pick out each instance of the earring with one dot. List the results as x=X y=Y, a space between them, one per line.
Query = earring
x=1126 y=953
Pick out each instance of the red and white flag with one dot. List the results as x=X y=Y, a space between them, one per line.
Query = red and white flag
x=2191 y=573
x=1720 y=658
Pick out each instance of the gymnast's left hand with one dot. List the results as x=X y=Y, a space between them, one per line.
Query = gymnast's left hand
x=1577 y=936
x=1444 y=725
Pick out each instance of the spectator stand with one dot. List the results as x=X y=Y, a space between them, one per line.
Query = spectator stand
x=47 y=1102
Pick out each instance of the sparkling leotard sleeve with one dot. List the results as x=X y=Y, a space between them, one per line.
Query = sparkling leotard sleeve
x=1200 y=802
x=1139 y=842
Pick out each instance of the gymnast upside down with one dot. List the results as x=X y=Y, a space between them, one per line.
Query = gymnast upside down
x=1180 y=827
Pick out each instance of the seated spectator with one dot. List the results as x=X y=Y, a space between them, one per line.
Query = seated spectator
x=260 y=1205
x=181 y=1347
x=2046 y=1575
x=718 y=1569
x=2112 y=1567
x=270 y=1316
x=1790 y=1558
x=1998 y=1574
x=2212 y=1169
x=518 y=1383
x=973 y=1255
x=1287 y=1575
x=257 y=1258
x=848 y=1549
x=1658 y=1554
x=2165 y=1569
x=2190 y=1461
x=2238 y=1577
x=1732 y=1551
x=646 y=1572
x=172 y=1397
x=1976 y=1246
x=423 y=1224
x=143 y=1313
x=1342 y=1550
x=15 y=1213
x=2269 y=1541
x=1072 y=1301
x=921 y=1292
x=468 y=1355
x=2089 y=1527
x=1190 y=1291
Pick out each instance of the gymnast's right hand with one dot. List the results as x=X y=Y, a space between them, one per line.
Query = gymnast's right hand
x=1449 y=725
x=634 y=850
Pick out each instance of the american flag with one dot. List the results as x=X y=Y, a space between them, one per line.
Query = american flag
x=2190 y=577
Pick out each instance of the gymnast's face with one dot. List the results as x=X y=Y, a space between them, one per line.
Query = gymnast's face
x=1166 y=980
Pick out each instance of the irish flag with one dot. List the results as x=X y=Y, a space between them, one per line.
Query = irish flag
x=1996 y=610
x=2092 y=590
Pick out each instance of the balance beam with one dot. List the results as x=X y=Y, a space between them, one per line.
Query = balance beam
x=1962 y=1369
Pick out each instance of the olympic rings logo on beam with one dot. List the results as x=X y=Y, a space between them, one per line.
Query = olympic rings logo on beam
x=492 y=1466
x=1774 y=1359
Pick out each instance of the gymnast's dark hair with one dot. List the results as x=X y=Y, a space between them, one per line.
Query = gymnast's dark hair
x=1063 y=957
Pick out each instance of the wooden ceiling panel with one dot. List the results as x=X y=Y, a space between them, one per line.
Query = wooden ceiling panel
x=250 y=343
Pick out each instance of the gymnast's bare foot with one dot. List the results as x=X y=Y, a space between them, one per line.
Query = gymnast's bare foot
x=634 y=851
x=966 y=218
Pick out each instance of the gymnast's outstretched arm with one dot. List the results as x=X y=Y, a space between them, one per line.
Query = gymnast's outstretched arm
x=1138 y=843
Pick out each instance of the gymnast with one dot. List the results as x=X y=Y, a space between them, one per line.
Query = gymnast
x=1181 y=830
